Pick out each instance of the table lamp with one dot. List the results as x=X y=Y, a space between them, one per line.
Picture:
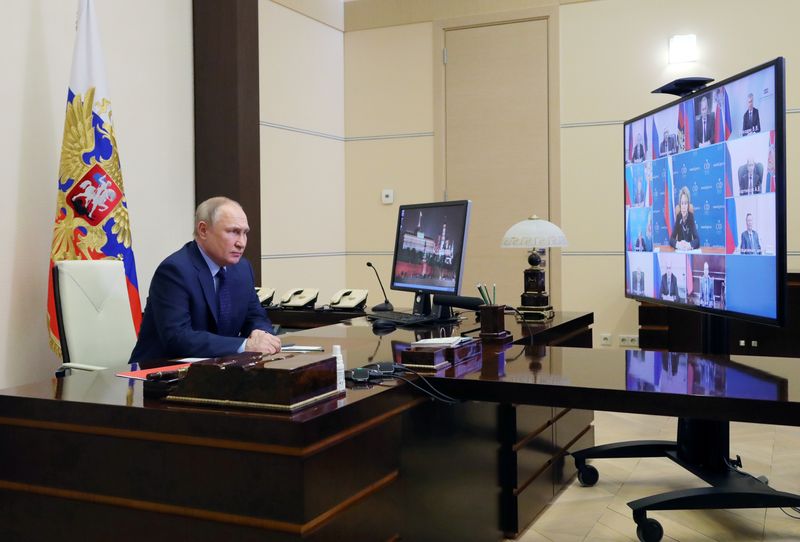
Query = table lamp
x=536 y=235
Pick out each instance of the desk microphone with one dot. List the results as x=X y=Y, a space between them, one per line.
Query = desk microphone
x=385 y=306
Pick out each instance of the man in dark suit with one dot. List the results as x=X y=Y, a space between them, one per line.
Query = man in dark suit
x=638 y=196
x=751 y=123
x=750 y=176
x=750 y=243
x=669 y=145
x=638 y=282
x=669 y=285
x=638 y=149
x=704 y=125
x=202 y=300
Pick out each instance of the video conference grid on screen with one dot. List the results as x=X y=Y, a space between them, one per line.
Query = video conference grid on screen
x=700 y=199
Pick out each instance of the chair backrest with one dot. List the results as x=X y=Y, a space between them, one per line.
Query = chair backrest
x=93 y=311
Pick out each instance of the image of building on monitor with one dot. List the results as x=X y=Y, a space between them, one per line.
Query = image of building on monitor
x=429 y=247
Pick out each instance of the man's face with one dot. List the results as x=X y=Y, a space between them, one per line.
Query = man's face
x=749 y=103
x=749 y=222
x=705 y=269
x=704 y=107
x=225 y=239
x=750 y=166
x=669 y=270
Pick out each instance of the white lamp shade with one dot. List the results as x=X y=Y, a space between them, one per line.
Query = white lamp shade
x=534 y=232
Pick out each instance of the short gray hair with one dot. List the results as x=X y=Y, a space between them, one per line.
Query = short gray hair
x=208 y=210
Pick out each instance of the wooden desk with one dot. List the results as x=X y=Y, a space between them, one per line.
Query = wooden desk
x=309 y=318
x=88 y=454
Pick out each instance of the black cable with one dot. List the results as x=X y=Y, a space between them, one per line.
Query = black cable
x=788 y=514
x=431 y=386
x=423 y=390
x=740 y=471
x=525 y=321
x=381 y=366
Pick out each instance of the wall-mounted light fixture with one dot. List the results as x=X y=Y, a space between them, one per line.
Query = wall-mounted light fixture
x=682 y=48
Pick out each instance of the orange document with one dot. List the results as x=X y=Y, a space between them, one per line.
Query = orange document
x=142 y=373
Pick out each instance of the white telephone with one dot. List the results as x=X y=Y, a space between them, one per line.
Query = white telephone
x=265 y=295
x=300 y=297
x=349 y=299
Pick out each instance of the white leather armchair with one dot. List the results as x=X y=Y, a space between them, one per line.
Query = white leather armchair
x=94 y=313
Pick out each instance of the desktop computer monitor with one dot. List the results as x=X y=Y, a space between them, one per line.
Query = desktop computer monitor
x=430 y=243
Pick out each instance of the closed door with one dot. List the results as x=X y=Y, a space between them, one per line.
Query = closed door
x=496 y=148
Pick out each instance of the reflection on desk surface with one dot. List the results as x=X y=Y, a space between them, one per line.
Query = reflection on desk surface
x=693 y=374
x=552 y=371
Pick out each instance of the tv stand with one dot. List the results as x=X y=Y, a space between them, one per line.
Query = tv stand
x=702 y=448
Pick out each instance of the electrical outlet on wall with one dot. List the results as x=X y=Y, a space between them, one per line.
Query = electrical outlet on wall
x=605 y=339
x=629 y=340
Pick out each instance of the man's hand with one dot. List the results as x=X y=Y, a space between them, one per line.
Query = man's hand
x=261 y=341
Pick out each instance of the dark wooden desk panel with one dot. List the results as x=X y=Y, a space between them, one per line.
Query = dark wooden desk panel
x=343 y=469
x=92 y=439
x=309 y=318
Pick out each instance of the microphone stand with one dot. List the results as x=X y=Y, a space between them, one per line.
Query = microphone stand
x=385 y=306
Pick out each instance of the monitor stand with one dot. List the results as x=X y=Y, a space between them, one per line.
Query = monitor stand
x=424 y=307
x=703 y=448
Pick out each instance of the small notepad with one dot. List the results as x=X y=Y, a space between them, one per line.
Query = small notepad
x=441 y=341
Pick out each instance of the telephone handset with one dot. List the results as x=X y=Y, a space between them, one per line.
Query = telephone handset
x=265 y=295
x=349 y=299
x=300 y=297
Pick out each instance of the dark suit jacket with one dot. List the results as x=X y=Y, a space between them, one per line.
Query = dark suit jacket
x=706 y=291
x=638 y=282
x=685 y=231
x=751 y=126
x=746 y=247
x=708 y=135
x=638 y=153
x=180 y=319
x=758 y=174
x=673 y=286
x=669 y=145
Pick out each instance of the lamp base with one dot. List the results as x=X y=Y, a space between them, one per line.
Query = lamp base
x=535 y=313
x=502 y=337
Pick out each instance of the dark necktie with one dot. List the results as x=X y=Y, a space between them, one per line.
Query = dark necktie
x=225 y=312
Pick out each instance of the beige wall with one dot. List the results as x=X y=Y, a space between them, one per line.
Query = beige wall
x=389 y=128
x=365 y=14
x=150 y=83
x=301 y=70
x=605 y=79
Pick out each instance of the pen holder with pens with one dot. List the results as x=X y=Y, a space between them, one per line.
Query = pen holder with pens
x=493 y=324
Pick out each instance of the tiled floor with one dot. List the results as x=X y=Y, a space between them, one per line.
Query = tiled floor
x=600 y=513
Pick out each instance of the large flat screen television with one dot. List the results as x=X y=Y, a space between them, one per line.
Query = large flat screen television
x=429 y=248
x=705 y=199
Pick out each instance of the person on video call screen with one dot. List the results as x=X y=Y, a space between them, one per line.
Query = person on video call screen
x=684 y=233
